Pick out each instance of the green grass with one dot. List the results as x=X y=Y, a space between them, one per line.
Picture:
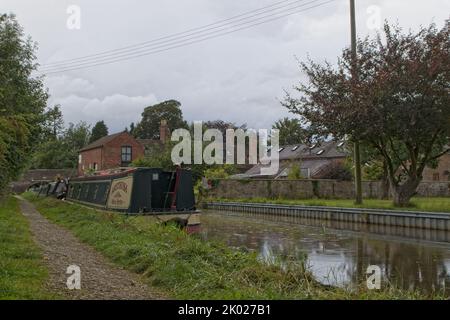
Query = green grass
x=417 y=204
x=22 y=272
x=185 y=267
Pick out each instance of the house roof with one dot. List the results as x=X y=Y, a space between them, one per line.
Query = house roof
x=312 y=158
x=101 y=142
x=149 y=143
x=327 y=149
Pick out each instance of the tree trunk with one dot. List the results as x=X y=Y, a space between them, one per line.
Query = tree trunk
x=385 y=183
x=402 y=193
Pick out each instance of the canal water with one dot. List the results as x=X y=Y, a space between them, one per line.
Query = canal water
x=339 y=253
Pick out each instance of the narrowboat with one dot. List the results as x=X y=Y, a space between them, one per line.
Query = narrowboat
x=168 y=195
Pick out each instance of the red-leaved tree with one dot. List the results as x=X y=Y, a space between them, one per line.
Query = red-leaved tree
x=397 y=103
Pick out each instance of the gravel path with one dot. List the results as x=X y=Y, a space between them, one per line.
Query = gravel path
x=100 y=280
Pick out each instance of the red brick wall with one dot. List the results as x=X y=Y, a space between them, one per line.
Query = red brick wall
x=109 y=156
x=441 y=172
x=112 y=151
x=88 y=158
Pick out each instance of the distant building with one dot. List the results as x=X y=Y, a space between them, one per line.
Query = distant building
x=441 y=173
x=315 y=162
x=319 y=161
x=118 y=150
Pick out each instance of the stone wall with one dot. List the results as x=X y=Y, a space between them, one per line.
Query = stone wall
x=307 y=189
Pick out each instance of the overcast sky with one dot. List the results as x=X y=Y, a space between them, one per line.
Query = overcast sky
x=238 y=77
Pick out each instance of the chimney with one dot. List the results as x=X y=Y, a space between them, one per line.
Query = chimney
x=164 y=132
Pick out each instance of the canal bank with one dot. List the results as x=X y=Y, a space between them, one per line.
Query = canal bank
x=186 y=267
x=407 y=219
x=337 y=257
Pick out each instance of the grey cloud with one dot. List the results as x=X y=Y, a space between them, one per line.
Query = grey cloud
x=238 y=77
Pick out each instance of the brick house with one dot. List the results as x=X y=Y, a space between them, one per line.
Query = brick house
x=118 y=150
x=441 y=173
x=113 y=151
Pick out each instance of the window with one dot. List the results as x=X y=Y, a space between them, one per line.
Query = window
x=435 y=176
x=95 y=166
x=126 y=155
x=341 y=144
x=305 y=173
x=281 y=149
x=320 y=152
x=295 y=148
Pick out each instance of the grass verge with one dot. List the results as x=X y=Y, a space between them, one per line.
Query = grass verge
x=417 y=204
x=22 y=272
x=185 y=267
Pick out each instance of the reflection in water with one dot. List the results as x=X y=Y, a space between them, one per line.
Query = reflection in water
x=336 y=256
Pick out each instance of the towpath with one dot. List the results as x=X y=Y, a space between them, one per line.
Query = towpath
x=100 y=280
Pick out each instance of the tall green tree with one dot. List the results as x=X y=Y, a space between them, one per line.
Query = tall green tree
x=23 y=99
x=62 y=152
x=291 y=131
x=402 y=107
x=53 y=123
x=150 y=123
x=99 y=131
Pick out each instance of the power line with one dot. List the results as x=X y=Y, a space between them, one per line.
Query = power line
x=168 y=43
x=200 y=29
x=103 y=61
x=171 y=42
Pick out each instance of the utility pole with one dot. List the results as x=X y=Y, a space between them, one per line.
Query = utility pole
x=357 y=152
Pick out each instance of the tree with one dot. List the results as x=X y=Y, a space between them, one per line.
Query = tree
x=62 y=152
x=223 y=126
x=295 y=172
x=157 y=157
x=338 y=171
x=291 y=131
x=402 y=107
x=53 y=154
x=22 y=100
x=132 y=129
x=77 y=136
x=53 y=123
x=99 y=130
x=150 y=123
